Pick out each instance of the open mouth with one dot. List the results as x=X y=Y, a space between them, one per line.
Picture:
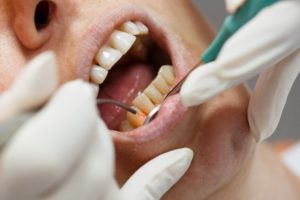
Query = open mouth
x=132 y=68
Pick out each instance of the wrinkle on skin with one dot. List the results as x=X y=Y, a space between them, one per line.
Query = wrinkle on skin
x=217 y=131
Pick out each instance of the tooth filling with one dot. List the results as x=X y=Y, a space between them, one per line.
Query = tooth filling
x=130 y=45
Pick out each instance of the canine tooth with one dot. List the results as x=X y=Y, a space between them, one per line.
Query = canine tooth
x=122 y=41
x=168 y=74
x=130 y=27
x=98 y=74
x=126 y=126
x=136 y=120
x=143 y=102
x=160 y=83
x=142 y=27
x=107 y=57
x=154 y=95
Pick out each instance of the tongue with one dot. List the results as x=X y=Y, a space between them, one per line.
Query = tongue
x=123 y=84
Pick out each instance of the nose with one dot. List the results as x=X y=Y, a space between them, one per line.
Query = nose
x=32 y=22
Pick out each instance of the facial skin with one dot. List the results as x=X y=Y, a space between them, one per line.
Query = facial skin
x=226 y=155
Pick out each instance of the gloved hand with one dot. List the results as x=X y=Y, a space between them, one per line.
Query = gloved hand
x=65 y=152
x=269 y=44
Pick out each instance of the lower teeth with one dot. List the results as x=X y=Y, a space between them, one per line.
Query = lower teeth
x=153 y=95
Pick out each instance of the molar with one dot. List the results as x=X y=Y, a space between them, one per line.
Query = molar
x=160 y=83
x=130 y=27
x=167 y=72
x=142 y=27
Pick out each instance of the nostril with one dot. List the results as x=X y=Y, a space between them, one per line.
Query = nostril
x=43 y=14
x=34 y=23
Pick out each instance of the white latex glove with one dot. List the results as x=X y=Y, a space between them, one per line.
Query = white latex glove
x=64 y=152
x=269 y=44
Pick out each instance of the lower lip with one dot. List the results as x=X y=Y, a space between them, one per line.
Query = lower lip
x=170 y=114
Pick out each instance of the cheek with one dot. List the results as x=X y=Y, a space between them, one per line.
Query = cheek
x=66 y=46
x=12 y=58
x=222 y=142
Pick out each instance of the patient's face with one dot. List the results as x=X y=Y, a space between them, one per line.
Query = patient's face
x=217 y=131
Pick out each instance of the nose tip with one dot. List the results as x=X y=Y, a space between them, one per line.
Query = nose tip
x=33 y=22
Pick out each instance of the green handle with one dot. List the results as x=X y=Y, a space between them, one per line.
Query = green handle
x=232 y=24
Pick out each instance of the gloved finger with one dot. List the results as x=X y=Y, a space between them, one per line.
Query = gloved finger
x=202 y=84
x=270 y=95
x=32 y=88
x=263 y=42
x=93 y=176
x=46 y=148
x=156 y=177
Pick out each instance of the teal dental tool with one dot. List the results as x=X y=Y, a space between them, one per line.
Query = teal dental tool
x=232 y=24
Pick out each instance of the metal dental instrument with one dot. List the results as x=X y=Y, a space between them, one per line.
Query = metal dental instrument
x=8 y=128
x=117 y=103
x=174 y=90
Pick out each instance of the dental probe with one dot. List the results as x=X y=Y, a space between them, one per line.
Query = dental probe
x=117 y=103
x=10 y=127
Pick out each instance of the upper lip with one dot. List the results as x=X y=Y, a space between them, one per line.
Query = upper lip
x=98 y=33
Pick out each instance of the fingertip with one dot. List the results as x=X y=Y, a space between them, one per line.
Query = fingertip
x=184 y=152
x=43 y=64
x=77 y=88
x=33 y=87
x=75 y=97
x=185 y=95
x=259 y=138
x=185 y=157
x=189 y=153
x=256 y=137
x=255 y=131
x=39 y=78
x=188 y=99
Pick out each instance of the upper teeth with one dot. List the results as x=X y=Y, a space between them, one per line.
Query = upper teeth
x=119 y=43
x=131 y=28
x=107 y=57
x=122 y=41
x=98 y=74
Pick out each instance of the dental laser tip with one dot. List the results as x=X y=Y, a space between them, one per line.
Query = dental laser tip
x=117 y=103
